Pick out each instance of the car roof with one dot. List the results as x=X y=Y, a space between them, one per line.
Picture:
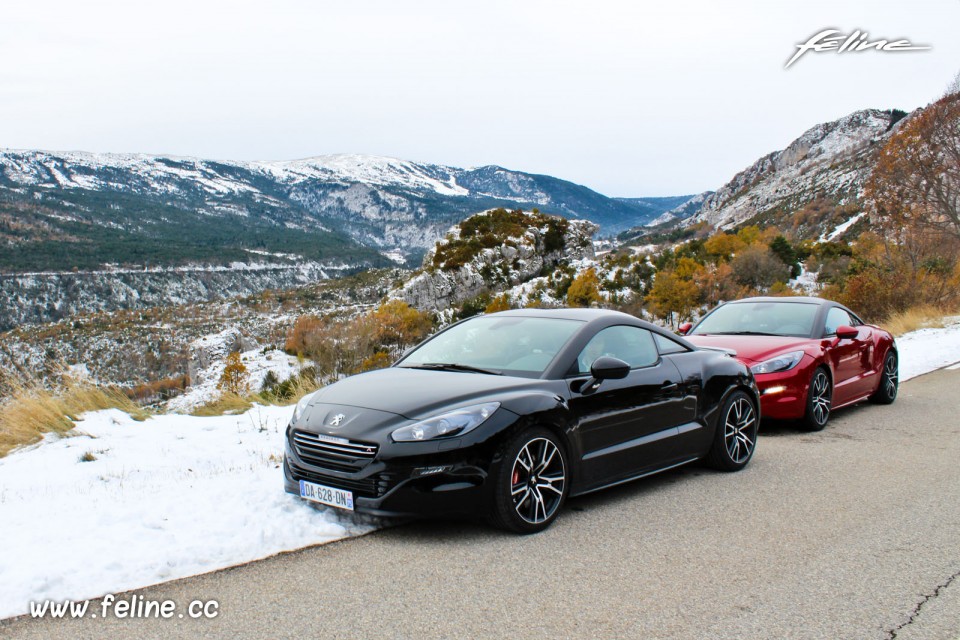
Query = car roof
x=567 y=313
x=792 y=299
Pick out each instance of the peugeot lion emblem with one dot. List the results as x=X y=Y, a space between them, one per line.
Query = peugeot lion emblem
x=337 y=419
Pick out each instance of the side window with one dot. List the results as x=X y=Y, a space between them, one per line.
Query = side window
x=667 y=346
x=633 y=345
x=835 y=318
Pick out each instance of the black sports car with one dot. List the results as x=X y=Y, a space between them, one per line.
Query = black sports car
x=506 y=415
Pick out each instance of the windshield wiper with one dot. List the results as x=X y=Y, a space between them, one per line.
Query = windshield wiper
x=454 y=366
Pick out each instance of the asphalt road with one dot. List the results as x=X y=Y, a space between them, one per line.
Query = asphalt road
x=853 y=532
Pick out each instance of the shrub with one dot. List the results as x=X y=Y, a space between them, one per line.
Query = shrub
x=499 y=303
x=584 y=290
x=756 y=267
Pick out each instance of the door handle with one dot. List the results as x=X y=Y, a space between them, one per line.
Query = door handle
x=669 y=386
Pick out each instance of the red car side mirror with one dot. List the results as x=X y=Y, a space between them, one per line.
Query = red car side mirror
x=684 y=328
x=847 y=333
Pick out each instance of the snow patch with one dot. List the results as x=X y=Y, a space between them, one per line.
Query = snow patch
x=167 y=498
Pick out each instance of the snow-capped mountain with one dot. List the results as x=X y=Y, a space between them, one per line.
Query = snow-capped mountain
x=653 y=208
x=812 y=187
x=829 y=162
x=379 y=202
x=79 y=226
x=684 y=210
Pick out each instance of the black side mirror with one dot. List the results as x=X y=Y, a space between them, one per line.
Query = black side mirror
x=608 y=368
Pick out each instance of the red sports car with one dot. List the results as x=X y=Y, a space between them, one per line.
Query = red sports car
x=809 y=355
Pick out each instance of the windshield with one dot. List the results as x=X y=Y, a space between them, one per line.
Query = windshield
x=513 y=345
x=760 y=318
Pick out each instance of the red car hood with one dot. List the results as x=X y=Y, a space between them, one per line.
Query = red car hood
x=752 y=349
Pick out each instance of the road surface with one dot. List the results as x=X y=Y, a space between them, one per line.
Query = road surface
x=853 y=532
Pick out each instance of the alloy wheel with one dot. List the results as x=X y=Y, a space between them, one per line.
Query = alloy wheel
x=538 y=480
x=739 y=431
x=821 y=396
x=891 y=376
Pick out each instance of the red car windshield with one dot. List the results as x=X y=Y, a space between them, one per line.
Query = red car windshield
x=760 y=318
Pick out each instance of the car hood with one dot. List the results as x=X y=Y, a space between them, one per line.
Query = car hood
x=416 y=393
x=752 y=349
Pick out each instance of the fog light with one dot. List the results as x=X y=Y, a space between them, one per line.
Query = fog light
x=771 y=390
x=430 y=471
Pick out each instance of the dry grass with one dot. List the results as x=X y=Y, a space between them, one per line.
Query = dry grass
x=920 y=317
x=30 y=410
x=290 y=392
x=227 y=403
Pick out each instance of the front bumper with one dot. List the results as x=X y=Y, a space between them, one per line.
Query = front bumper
x=783 y=395
x=403 y=488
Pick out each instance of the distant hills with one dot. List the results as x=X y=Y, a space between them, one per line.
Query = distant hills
x=85 y=210
x=90 y=231
x=86 y=231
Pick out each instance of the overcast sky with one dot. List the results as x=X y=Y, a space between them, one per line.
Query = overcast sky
x=629 y=98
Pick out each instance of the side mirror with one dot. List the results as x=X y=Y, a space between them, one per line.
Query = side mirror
x=607 y=368
x=847 y=333
x=685 y=328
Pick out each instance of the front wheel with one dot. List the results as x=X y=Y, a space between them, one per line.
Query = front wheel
x=736 y=435
x=530 y=482
x=886 y=392
x=819 y=401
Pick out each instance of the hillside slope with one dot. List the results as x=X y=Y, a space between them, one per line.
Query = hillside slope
x=828 y=164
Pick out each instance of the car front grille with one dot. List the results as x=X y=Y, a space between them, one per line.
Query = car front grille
x=373 y=486
x=332 y=453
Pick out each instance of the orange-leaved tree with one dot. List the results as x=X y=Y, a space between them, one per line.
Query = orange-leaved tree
x=915 y=184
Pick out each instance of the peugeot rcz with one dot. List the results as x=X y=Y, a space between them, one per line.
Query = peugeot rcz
x=504 y=416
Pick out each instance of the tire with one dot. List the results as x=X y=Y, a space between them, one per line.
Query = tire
x=528 y=494
x=819 y=401
x=886 y=392
x=735 y=437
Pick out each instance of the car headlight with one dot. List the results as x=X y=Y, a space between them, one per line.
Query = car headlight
x=298 y=410
x=783 y=362
x=447 y=425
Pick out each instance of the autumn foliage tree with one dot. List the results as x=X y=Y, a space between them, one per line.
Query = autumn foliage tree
x=584 y=291
x=673 y=297
x=234 y=376
x=342 y=346
x=913 y=196
x=398 y=325
x=916 y=181
x=724 y=246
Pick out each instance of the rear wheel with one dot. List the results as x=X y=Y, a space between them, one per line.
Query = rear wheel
x=819 y=401
x=736 y=435
x=886 y=393
x=531 y=482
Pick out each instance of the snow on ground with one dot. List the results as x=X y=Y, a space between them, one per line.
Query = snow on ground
x=841 y=228
x=215 y=347
x=179 y=495
x=806 y=283
x=170 y=497
x=926 y=350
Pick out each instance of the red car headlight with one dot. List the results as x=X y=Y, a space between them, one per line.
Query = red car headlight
x=783 y=362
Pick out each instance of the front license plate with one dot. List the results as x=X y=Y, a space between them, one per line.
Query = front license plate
x=326 y=495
